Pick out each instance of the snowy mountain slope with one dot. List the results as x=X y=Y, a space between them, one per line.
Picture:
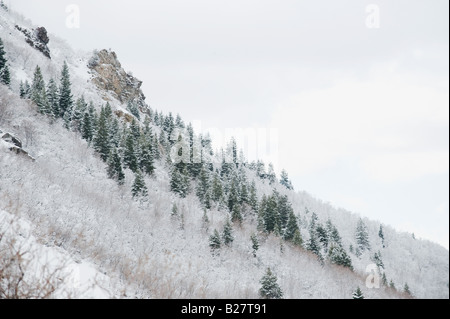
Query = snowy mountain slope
x=67 y=198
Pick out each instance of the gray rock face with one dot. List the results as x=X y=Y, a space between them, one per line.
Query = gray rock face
x=111 y=77
x=15 y=145
x=37 y=39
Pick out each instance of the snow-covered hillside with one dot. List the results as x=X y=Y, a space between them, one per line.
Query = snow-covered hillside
x=140 y=248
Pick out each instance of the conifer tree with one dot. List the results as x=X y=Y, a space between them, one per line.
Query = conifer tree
x=255 y=244
x=217 y=189
x=65 y=91
x=5 y=76
x=101 y=139
x=236 y=216
x=3 y=59
x=53 y=98
x=322 y=236
x=284 y=180
x=87 y=131
x=381 y=235
x=115 y=167
x=227 y=235
x=214 y=240
x=253 y=198
x=338 y=256
x=362 y=236
x=146 y=161
x=38 y=95
x=203 y=187
x=139 y=189
x=406 y=289
x=271 y=176
x=129 y=155
x=179 y=182
x=292 y=227
x=270 y=215
x=297 y=240
x=269 y=286
x=133 y=109
x=358 y=294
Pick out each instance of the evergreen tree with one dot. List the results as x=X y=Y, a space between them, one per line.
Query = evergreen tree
x=3 y=59
x=5 y=76
x=377 y=260
x=133 y=108
x=129 y=155
x=101 y=139
x=203 y=187
x=21 y=90
x=253 y=199
x=78 y=113
x=384 y=279
x=255 y=244
x=284 y=180
x=87 y=131
x=139 y=188
x=391 y=284
x=214 y=240
x=52 y=97
x=115 y=168
x=269 y=286
x=217 y=189
x=38 y=94
x=284 y=210
x=313 y=243
x=270 y=214
x=358 y=294
x=233 y=196
x=291 y=228
x=297 y=240
x=227 y=234
x=271 y=175
x=322 y=236
x=381 y=235
x=179 y=182
x=236 y=215
x=338 y=256
x=146 y=162
x=406 y=289
x=65 y=91
x=362 y=236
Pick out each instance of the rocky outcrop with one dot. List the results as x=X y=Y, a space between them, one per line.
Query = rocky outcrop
x=109 y=76
x=37 y=38
x=14 y=144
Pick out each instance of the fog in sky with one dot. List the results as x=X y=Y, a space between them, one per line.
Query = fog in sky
x=358 y=90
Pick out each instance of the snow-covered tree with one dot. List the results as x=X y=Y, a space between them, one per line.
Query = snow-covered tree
x=3 y=59
x=338 y=256
x=214 y=240
x=115 y=167
x=362 y=236
x=179 y=182
x=271 y=176
x=284 y=180
x=357 y=294
x=53 y=97
x=227 y=235
x=269 y=286
x=139 y=189
x=255 y=244
x=65 y=91
x=381 y=235
x=101 y=140
x=133 y=109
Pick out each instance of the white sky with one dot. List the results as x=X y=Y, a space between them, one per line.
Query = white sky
x=362 y=114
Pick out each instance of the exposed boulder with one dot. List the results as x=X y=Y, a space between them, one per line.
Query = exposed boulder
x=109 y=76
x=37 y=38
x=12 y=143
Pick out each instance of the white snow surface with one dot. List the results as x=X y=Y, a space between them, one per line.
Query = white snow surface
x=72 y=212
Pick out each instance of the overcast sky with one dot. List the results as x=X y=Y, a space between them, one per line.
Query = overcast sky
x=362 y=112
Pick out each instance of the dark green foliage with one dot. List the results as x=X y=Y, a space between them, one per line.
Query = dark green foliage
x=292 y=227
x=101 y=139
x=146 y=161
x=3 y=59
x=358 y=294
x=269 y=286
x=227 y=235
x=129 y=154
x=203 y=189
x=65 y=91
x=179 y=182
x=297 y=240
x=5 y=76
x=338 y=256
x=406 y=289
x=378 y=260
x=115 y=168
x=133 y=109
x=217 y=189
x=322 y=235
x=236 y=215
x=214 y=240
x=362 y=236
x=255 y=244
x=53 y=98
x=381 y=235
x=271 y=175
x=139 y=189
x=253 y=199
x=284 y=180
x=38 y=93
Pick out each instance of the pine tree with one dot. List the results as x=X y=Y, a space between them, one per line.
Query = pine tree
x=87 y=131
x=292 y=227
x=139 y=188
x=338 y=256
x=179 y=182
x=78 y=113
x=38 y=90
x=3 y=59
x=21 y=90
x=269 y=286
x=65 y=91
x=322 y=236
x=271 y=176
x=284 y=180
x=270 y=214
x=253 y=200
x=297 y=240
x=5 y=76
x=146 y=161
x=391 y=284
x=133 y=109
x=227 y=235
x=362 y=236
x=217 y=189
x=255 y=244
x=101 y=139
x=377 y=260
x=384 y=279
x=53 y=98
x=203 y=187
x=381 y=235
x=358 y=294
x=406 y=289
x=236 y=215
x=115 y=167
x=129 y=155
x=214 y=240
